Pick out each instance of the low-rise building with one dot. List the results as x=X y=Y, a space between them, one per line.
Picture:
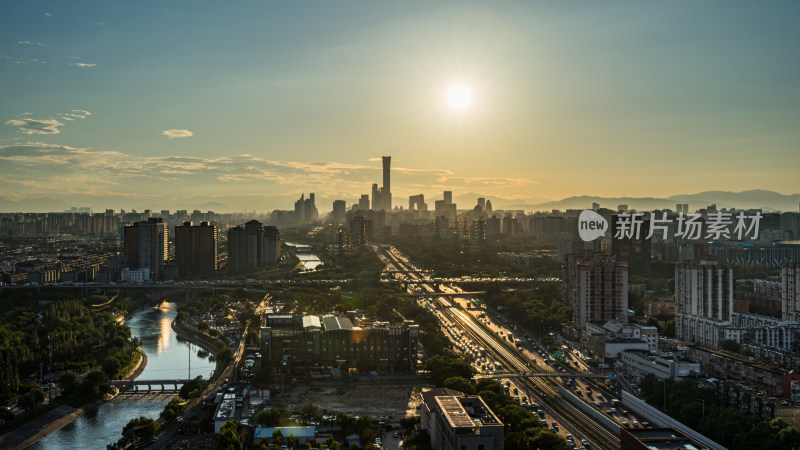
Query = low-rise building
x=757 y=403
x=335 y=341
x=639 y=363
x=226 y=411
x=459 y=422
x=753 y=373
x=656 y=439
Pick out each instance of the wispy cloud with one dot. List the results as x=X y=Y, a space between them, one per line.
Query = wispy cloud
x=47 y=14
x=28 y=125
x=36 y=126
x=37 y=43
x=175 y=133
x=80 y=64
x=13 y=60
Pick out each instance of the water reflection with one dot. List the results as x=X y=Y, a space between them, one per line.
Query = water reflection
x=167 y=358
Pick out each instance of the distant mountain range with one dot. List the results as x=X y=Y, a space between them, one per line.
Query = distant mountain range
x=765 y=200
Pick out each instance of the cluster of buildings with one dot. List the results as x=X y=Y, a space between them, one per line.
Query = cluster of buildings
x=196 y=249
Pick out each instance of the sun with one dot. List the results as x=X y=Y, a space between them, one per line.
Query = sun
x=459 y=96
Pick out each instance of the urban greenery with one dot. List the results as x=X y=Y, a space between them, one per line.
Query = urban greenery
x=700 y=409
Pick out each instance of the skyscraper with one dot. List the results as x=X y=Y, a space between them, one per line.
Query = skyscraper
x=339 y=211
x=382 y=196
x=196 y=249
x=387 y=190
x=146 y=246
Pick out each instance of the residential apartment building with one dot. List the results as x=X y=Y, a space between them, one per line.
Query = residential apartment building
x=596 y=287
x=253 y=246
x=790 y=291
x=146 y=246
x=662 y=365
x=196 y=249
x=703 y=297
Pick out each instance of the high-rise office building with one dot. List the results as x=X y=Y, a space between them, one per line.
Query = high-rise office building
x=339 y=212
x=387 y=190
x=253 y=246
x=382 y=196
x=146 y=246
x=790 y=291
x=196 y=249
x=633 y=244
x=596 y=287
x=363 y=202
x=305 y=209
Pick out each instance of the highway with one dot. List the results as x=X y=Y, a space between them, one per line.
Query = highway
x=565 y=413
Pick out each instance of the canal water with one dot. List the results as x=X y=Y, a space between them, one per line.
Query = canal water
x=167 y=358
x=309 y=260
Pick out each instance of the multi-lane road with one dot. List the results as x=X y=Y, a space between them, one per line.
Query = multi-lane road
x=463 y=325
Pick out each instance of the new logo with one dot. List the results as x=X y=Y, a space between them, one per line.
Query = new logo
x=591 y=225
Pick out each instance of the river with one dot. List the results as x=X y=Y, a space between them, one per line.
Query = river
x=309 y=260
x=167 y=358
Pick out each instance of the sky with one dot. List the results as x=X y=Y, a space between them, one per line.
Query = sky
x=247 y=104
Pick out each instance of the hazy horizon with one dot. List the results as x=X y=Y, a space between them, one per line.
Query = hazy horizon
x=248 y=105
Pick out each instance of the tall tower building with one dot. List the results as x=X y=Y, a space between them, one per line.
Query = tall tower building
x=196 y=249
x=146 y=246
x=596 y=287
x=339 y=211
x=387 y=190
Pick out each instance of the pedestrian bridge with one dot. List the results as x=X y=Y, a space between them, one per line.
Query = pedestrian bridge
x=165 y=385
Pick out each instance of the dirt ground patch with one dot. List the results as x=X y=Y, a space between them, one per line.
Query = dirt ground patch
x=383 y=400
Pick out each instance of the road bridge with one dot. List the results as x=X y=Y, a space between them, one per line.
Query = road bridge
x=542 y=375
x=166 y=385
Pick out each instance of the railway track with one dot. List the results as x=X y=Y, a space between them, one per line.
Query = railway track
x=545 y=391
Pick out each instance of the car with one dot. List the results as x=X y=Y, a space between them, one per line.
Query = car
x=613 y=410
x=585 y=443
x=597 y=404
x=395 y=434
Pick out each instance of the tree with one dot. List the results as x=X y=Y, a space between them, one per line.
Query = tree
x=229 y=437
x=138 y=430
x=271 y=417
x=32 y=399
x=409 y=422
x=669 y=328
x=111 y=366
x=277 y=437
x=224 y=357
x=193 y=388
x=459 y=384
x=68 y=381
x=309 y=414
x=290 y=441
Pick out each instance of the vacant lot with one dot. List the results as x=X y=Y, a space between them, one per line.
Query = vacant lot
x=383 y=400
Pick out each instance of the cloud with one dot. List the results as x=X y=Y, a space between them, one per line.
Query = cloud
x=36 y=126
x=80 y=64
x=48 y=14
x=174 y=133
x=26 y=42
x=75 y=114
x=46 y=126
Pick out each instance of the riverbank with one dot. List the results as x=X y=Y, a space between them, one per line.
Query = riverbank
x=37 y=428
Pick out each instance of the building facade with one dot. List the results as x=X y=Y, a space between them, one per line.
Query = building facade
x=790 y=291
x=196 y=249
x=146 y=246
x=456 y=421
x=253 y=246
x=703 y=297
x=596 y=287
x=333 y=341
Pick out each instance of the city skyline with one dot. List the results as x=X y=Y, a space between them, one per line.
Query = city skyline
x=134 y=107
